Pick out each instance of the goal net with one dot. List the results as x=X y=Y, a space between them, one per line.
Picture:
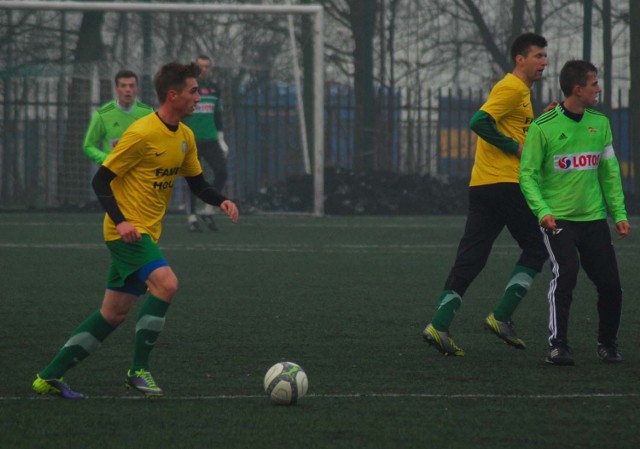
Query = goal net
x=58 y=63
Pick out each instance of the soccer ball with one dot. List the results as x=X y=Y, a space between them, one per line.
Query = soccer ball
x=285 y=383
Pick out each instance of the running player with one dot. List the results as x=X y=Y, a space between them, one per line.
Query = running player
x=134 y=186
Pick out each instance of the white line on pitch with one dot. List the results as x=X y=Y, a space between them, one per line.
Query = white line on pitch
x=353 y=396
x=293 y=248
x=289 y=249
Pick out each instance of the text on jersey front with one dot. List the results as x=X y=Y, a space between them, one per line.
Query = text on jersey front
x=579 y=161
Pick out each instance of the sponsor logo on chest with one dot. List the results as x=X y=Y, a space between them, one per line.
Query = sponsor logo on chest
x=204 y=108
x=574 y=162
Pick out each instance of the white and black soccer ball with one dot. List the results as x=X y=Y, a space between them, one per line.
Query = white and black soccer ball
x=285 y=383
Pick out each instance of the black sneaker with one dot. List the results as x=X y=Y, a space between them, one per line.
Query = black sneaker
x=559 y=354
x=609 y=353
x=210 y=222
x=194 y=226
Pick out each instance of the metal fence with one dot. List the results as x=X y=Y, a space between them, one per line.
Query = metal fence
x=42 y=165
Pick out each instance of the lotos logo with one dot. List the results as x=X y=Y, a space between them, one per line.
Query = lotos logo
x=581 y=161
x=564 y=162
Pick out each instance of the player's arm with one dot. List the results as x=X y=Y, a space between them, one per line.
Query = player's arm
x=205 y=191
x=217 y=113
x=101 y=184
x=611 y=182
x=484 y=125
x=93 y=138
x=217 y=119
x=530 y=166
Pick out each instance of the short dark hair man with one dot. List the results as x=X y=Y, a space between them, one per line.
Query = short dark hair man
x=114 y=117
x=570 y=178
x=495 y=201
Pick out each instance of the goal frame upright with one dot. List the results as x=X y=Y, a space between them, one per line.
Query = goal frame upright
x=314 y=11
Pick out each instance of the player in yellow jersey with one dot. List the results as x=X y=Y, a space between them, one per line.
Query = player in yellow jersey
x=134 y=185
x=495 y=201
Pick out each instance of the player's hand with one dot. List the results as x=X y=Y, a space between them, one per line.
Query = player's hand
x=623 y=228
x=550 y=106
x=230 y=208
x=223 y=145
x=549 y=223
x=128 y=232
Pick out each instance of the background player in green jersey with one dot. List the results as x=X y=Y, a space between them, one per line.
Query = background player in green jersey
x=495 y=201
x=134 y=185
x=569 y=176
x=207 y=125
x=114 y=117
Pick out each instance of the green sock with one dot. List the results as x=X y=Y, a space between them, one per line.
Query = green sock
x=449 y=303
x=150 y=323
x=84 y=340
x=517 y=288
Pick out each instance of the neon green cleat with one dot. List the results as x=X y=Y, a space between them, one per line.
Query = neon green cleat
x=504 y=330
x=143 y=381
x=55 y=387
x=442 y=341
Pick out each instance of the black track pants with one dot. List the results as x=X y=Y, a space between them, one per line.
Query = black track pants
x=586 y=243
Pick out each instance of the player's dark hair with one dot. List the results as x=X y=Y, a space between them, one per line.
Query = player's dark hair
x=575 y=73
x=173 y=76
x=522 y=44
x=125 y=73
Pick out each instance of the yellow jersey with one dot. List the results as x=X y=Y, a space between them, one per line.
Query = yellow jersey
x=147 y=160
x=509 y=103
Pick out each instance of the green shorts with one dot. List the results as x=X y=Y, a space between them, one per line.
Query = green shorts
x=132 y=263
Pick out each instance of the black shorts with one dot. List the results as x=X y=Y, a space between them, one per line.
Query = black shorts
x=491 y=208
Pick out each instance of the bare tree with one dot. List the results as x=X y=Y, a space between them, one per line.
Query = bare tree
x=495 y=48
x=73 y=189
x=386 y=80
x=607 y=49
x=359 y=16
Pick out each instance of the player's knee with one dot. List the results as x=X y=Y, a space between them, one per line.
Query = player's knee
x=115 y=317
x=167 y=287
x=171 y=287
x=163 y=283
x=116 y=305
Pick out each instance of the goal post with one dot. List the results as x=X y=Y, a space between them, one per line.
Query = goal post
x=315 y=12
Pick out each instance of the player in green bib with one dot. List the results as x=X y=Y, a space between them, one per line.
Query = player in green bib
x=570 y=178
x=112 y=119
x=207 y=125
